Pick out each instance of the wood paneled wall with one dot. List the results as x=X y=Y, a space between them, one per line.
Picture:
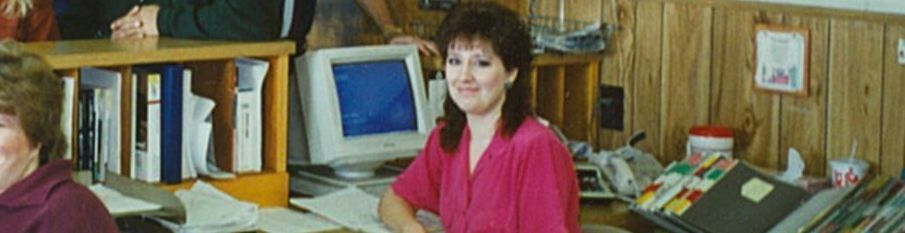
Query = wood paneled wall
x=342 y=23
x=687 y=63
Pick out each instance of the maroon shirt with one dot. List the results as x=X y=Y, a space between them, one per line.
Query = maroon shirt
x=49 y=200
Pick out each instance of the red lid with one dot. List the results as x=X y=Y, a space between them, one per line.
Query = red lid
x=711 y=131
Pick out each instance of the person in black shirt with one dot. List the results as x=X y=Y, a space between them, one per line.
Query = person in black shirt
x=209 y=19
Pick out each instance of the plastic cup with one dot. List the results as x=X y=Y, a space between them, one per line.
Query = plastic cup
x=847 y=172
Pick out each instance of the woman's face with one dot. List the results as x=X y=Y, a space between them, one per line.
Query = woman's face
x=17 y=157
x=476 y=77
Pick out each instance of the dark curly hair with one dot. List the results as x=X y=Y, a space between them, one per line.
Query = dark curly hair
x=508 y=36
x=30 y=90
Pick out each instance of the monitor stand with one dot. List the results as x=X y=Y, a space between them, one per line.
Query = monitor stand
x=315 y=180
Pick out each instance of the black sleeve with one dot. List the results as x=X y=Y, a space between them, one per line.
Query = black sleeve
x=85 y=19
x=80 y=19
x=221 y=19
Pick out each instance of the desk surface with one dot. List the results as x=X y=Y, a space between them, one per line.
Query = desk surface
x=612 y=213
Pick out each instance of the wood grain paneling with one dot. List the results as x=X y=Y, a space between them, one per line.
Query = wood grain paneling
x=804 y=119
x=277 y=105
x=519 y=6
x=620 y=54
x=551 y=93
x=340 y=23
x=125 y=120
x=855 y=80
x=578 y=10
x=892 y=145
x=646 y=80
x=686 y=74
x=753 y=116
x=799 y=10
x=580 y=89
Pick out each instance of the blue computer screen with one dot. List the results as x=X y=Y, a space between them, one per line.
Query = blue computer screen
x=374 y=97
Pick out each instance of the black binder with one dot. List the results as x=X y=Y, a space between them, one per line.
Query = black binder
x=724 y=209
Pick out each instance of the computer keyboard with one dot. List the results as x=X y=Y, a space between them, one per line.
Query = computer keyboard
x=591 y=182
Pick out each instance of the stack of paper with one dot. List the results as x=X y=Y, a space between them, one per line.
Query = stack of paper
x=280 y=220
x=357 y=210
x=210 y=210
x=119 y=204
x=198 y=132
x=350 y=207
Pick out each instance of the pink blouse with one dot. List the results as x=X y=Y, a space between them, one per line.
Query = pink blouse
x=525 y=183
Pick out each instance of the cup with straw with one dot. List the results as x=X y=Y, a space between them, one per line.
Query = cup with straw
x=848 y=171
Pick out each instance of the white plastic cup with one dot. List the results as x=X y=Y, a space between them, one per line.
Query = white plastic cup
x=847 y=172
x=707 y=140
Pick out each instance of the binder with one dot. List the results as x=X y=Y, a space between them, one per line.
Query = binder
x=739 y=200
x=171 y=122
x=730 y=207
x=248 y=118
x=188 y=126
x=107 y=88
x=86 y=130
x=69 y=107
x=146 y=161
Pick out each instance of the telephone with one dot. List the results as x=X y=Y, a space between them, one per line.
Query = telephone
x=591 y=182
x=628 y=169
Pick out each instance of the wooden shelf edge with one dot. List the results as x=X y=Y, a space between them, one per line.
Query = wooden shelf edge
x=267 y=188
x=73 y=54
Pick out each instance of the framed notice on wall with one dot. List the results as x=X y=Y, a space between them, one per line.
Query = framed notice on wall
x=781 y=59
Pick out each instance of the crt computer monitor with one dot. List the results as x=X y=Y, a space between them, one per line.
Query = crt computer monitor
x=362 y=106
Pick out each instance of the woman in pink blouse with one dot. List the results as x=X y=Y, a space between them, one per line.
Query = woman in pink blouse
x=489 y=166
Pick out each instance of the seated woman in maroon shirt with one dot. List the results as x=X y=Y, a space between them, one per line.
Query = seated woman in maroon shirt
x=490 y=165
x=28 y=20
x=37 y=193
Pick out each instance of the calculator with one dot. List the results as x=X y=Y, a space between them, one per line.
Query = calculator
x=591 y=182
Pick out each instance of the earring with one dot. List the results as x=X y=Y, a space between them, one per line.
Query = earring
x=507 y=85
